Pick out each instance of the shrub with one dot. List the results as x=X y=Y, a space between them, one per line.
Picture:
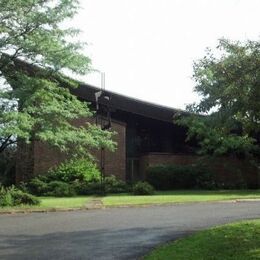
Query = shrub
x=22 y=198
x=60 y=189
x=114 y=185
x=40 y=187
x=6 y=199
x=14 y=197
x=82 y=170
x=164 y=177
x=37 y=186
x=111 y=185
x=167 y=177
x=143 y=188
x=86 y=188
x=203 y=177
x=74 y=177
x=67 y=179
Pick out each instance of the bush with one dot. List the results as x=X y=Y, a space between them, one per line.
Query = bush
x=195 y=176
x=167 y=177
x=74 y=177
x=143 y=188
x=203 y=178
x=114 y=185
x=43 y=187
x=111 y=185
x=86 y=188
x=22 y=198
x=68 y=179
x=38 y=186
x=53 y=188
x=60 y=189
x=14 y=197
x=81 y=170
x=6 y=199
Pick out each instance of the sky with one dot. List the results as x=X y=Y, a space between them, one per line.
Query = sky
x=147 y=47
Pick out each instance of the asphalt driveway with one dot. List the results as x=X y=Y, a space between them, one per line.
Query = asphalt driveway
x=118 y=233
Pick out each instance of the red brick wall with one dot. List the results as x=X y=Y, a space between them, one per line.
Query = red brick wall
x=24 y=162
x=46 y=157
x=152 y=159
x=115 y=162
x=37 y=158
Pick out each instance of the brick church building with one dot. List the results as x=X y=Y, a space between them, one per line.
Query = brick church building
x=146 y=136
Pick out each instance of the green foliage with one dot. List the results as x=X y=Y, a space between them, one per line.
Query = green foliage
x=110 y=185
x=22 y=198
x=143 y=188
x=114 y=185
x=60 y=189
x=5 y=197
x=228 y=83
x=38 y=105
x=80 y=170
x=74 y=177
x=87 y=188
x=44 y=186
x=31 y=29
x=170 y=177
x=69 y=178
x=195 y=176
x=235 y=241
x=14 y=197
x=167 y=177
x=37 y=186
x=217 y=141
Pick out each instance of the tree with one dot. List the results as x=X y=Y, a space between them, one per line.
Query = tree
x=35 y=50
x=228 y=80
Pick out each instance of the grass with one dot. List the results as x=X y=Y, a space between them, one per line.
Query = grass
x=238 y=241
x=163 y=197
x=54 y=203
x=180 y=197
x=73 y=202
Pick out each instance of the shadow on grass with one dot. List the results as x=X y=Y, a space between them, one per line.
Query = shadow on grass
x=236 y=241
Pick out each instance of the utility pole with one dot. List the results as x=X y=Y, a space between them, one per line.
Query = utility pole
x=102 y=155
x=103 y=118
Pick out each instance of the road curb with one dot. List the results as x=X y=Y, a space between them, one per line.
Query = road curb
x=47 y=210
x=98 y=204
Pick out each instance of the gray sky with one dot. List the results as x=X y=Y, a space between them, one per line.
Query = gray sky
x=146 y=47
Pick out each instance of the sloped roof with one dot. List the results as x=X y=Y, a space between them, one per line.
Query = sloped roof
x=117 y=101
x=129 y=104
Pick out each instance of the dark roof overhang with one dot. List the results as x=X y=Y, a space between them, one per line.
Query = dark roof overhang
x=128 y=104
x=118 y=101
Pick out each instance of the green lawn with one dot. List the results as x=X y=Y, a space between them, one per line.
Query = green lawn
x=73 y=202
x=238 y=241
x=158 y=198
x=55 y=203
x=180 y=197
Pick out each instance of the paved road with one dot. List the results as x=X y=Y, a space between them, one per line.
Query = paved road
x=119 y=233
